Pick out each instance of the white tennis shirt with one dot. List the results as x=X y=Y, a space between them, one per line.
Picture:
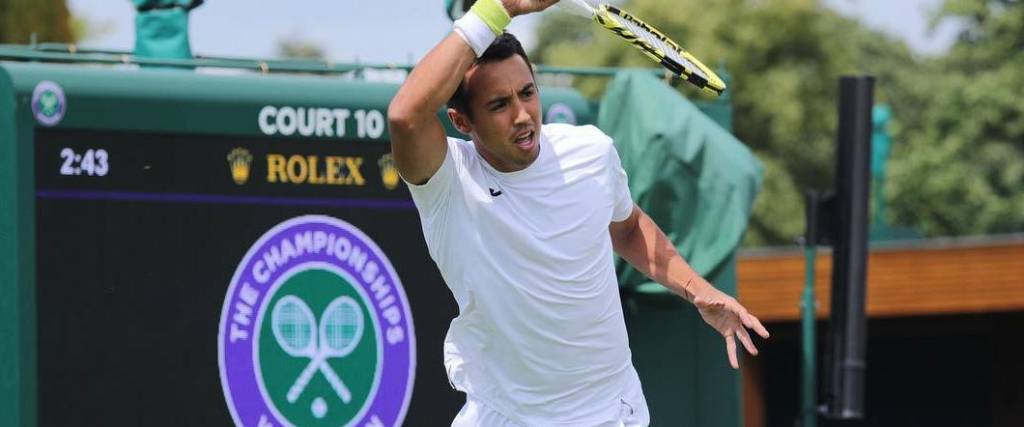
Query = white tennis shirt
x=540 y=335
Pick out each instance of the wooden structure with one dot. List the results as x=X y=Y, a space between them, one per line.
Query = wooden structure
x=934 y=306
x=926 y=277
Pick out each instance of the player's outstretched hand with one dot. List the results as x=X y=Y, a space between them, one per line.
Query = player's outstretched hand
x=729 y=318
x=522 y=7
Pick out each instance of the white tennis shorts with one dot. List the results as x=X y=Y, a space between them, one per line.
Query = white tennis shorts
x=632 y=413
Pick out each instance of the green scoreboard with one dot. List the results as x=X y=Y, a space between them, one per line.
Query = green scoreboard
x=187 y=248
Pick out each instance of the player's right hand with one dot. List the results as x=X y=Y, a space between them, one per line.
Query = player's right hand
x=522 y=7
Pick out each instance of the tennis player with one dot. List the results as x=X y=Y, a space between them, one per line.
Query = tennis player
x=521 y=222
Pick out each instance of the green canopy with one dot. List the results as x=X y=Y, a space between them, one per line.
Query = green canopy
x=161 y=28
x=698 y=182
x=694 y=178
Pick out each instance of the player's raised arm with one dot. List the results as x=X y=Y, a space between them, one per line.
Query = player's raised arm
x=417 y=136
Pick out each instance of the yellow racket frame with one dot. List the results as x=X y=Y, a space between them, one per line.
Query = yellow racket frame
x=603 y=15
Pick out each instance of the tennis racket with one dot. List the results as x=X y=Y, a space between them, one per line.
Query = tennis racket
x=296 y=331
x=651 y=42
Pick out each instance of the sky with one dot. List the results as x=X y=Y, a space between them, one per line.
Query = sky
x=402 y=31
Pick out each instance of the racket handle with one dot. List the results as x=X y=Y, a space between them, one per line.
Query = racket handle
x=336 y=383
x=576 y=7
x=307 y=374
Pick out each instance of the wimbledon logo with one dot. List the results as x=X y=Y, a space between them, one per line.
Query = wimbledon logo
x=316 y=330
x=48 y=103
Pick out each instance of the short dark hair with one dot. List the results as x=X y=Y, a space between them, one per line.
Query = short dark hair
x=500 y=49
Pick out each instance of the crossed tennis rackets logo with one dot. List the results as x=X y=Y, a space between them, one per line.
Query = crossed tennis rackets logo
x=339 y=331
x=314 y=354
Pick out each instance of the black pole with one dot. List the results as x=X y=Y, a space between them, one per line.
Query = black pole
x=844 y=392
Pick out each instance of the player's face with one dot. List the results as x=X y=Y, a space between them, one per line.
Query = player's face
x=505 y=120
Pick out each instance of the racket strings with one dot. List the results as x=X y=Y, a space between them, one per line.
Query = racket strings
x=342 y=326
x=660 y=44
x=294 y=326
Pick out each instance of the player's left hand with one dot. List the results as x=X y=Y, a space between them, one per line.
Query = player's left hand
x=729 y=318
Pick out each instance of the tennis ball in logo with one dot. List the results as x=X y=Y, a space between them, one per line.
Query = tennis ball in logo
x=312 y=306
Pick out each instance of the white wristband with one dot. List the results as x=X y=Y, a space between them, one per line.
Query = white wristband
x=475 y=32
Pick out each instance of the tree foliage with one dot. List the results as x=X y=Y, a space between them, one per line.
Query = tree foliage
x=956 y=166
x=299 y=48
x=960 y=167
x=48 y=19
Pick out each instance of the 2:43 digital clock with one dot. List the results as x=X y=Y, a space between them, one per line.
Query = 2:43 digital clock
x=92 y=162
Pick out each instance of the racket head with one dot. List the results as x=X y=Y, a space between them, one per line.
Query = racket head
x=294 y=326
x=341 y=327
x=659 y=47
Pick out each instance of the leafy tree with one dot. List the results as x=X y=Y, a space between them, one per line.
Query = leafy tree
x=785 y=57
x=297 y=47
x=960 y=168
x=48 y=19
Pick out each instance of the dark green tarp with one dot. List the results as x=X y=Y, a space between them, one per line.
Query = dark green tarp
x=698 y=182
x=161 y=28
x=693 y=177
